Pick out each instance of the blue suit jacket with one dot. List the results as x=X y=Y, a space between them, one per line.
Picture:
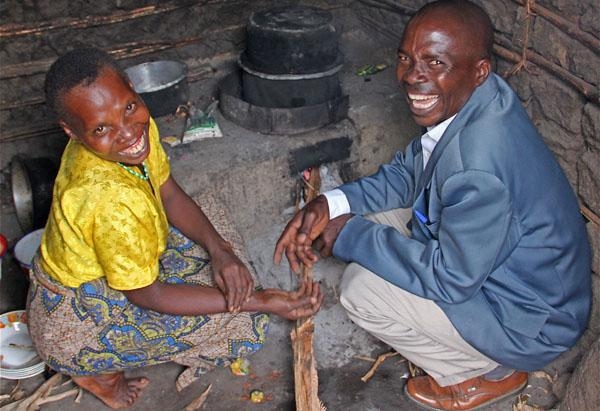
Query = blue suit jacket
x=497 y=238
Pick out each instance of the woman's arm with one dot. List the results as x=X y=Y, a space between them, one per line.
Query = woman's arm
x=230 y=274
x=190 y=299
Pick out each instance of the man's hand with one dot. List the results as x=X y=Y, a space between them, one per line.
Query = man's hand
x=324 y=243
x=297 y=237
x=232 y=278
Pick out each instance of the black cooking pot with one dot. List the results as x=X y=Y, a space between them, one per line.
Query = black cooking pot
x=291 y=40
x=161 y=84
x=285 y=90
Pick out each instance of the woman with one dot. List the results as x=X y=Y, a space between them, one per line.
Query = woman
x=131 y=272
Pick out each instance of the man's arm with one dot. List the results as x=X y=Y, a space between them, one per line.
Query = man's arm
x=474 y=218
x=391 y=187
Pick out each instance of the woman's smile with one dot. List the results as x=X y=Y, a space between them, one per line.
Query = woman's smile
x=138 y=147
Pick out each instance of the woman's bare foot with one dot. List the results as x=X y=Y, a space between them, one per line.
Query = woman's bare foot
x=114 y=389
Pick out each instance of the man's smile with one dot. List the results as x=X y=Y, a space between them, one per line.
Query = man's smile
x=422 y=101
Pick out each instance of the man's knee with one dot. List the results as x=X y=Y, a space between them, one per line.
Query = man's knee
x=354 y=287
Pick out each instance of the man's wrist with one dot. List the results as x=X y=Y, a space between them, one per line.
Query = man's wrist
x=337 y=202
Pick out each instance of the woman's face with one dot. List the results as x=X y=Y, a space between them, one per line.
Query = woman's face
x=109 y=118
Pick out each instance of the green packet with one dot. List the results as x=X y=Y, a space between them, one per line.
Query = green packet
x=370 y=69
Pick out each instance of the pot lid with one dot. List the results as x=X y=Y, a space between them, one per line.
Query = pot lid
x=291 y=18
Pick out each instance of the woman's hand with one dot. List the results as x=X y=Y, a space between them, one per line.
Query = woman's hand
x=232 y=277
x=292 y=305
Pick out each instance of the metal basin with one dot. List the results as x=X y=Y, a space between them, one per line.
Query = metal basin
x=161 y=84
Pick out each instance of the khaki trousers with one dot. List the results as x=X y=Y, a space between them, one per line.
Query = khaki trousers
x=414 y=326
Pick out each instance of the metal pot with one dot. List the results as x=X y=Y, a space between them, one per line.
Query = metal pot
x=161 y=84
x=32 y=180
x=289 y=90
x=292 y=39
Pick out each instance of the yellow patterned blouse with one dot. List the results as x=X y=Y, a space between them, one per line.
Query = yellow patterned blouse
x=104 y=221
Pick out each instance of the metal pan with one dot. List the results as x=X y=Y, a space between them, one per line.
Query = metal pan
x=161 y=84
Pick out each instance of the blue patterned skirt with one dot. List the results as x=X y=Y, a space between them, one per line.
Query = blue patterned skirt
x=94 y=329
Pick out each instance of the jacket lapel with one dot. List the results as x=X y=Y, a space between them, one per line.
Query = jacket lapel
x=480 y=97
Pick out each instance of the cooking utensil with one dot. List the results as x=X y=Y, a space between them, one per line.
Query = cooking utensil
x=161 y=84
x=291 y=39
x=32 y=180
x=17 y=362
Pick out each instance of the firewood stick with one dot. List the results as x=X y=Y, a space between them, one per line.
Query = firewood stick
x=199 y=402
x=79 y=396
x=54 y=398
x=590 y=215
x=306 y=380
x=376 y=365
x=25 y=403
x=365 y=358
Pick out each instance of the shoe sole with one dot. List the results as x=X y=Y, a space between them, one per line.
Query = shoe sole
x=480 y=406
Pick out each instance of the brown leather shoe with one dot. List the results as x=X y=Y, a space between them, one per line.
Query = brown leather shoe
x=468 y=395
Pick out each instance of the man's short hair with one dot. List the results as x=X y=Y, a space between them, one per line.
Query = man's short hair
x=79 y=66
x=474 y=18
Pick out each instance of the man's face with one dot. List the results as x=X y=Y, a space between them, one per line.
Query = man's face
x=109 y=118
x=438 y=67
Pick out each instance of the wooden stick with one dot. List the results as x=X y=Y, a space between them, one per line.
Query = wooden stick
x=79 y=396
x=380 y=359
x=365 y=358
x=306 y=380
x=54 y=398
x=522 y=63
x=588 y=90
x=122 y=51
x=24 y=404
x=17 y=393
x=590 y=215
x=568 y=27
x=199 y=402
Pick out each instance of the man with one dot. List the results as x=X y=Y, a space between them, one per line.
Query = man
x=494 y=274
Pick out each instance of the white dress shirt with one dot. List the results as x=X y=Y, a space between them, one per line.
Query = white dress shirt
x=336 y=199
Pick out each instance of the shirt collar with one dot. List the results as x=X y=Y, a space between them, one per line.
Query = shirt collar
x=436 y=132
